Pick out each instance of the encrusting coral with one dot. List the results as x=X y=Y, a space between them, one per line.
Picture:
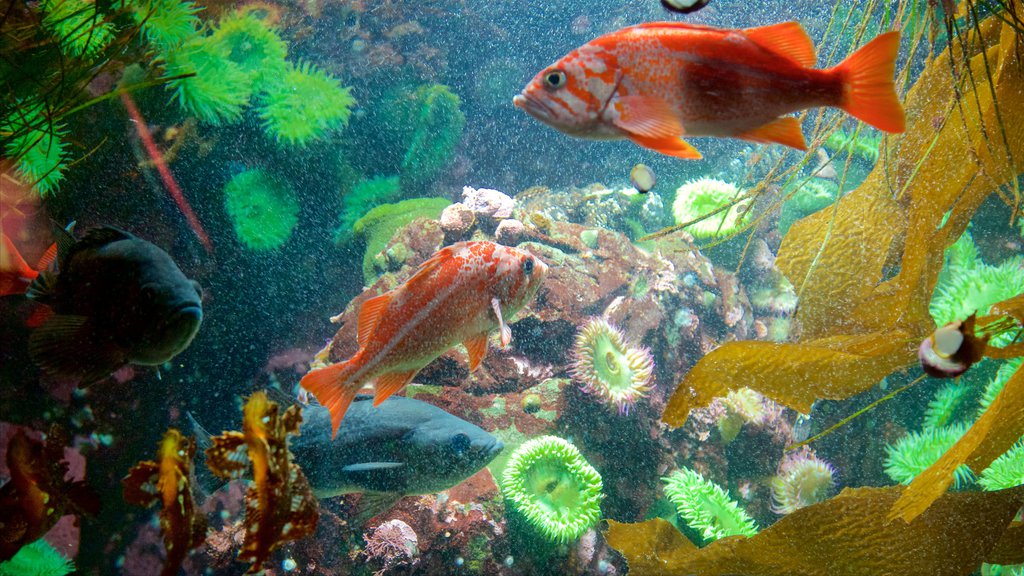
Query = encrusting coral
x=706 y=507
x=263 y=209
x=549 y=482
x=609 y=367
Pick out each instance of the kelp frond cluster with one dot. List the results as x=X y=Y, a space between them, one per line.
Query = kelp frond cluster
x=865 y=270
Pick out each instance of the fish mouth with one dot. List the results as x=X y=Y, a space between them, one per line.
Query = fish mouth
x=494 y=449
x=183 y=323
x=533 y=106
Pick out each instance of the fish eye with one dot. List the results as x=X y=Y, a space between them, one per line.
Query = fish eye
x=460 y=444
x=528 y=266
x=554 y=79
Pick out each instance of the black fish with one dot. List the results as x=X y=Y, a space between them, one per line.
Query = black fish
x=684 y=6
x=399 y=448
x=116 y=299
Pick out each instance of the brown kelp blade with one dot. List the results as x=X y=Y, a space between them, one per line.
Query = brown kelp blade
x=846 y=535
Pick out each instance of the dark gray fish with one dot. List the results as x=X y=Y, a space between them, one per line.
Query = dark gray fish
x=684 y=6
x=403 y=446
x=116 y=300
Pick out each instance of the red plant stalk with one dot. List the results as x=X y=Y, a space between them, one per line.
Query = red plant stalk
x=165 y=173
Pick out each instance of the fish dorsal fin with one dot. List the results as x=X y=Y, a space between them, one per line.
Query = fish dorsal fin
x=103 y=235
x=647 y=116
x=431 y=264
x=476 y=347
x=785 y=131
x=48 y=258
x=787 y=39
x=670 y=146
x=64 y=239
x=369 y=317
x=388 y=384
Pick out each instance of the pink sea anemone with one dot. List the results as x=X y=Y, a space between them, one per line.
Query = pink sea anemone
x=606 y=365
x=803 y=479
x=393 y=544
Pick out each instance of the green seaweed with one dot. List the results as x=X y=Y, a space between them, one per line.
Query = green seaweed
x=36 y=146
x=79 y=26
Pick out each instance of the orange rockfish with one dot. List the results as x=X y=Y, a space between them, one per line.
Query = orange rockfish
x=656 y=83
x=460 y=294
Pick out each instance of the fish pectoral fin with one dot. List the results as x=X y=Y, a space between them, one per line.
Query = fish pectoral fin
x=785 y=131
x=388 y=384
x=788 y=39
x=373 y=504
x=476 y=347
x=670 y=146
x=67 y=345
x=372 y=466
x=369 y=317
x=647 y=116
x=506 y=332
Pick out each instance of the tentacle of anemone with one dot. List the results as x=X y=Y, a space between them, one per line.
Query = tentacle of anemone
x=608 y=367
x=803 y=479
x=706 y=507
x=550 y=483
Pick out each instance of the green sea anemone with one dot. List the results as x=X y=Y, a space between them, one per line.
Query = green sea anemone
x=996 y=383
x=1007 y=471
x=609 y=367
x=916 y=451
x=36 y=147
x=37 y=559
x=253 y=47
x=706 y=507
x=698 y=198
x=439 y=123
x=379 y=224
x=968 y=287
x=80 y=28
x=808 y=198
x=364 y=196
x=305 y=104
x=553 y=487
x=865 y=145
x=944 y=405
x=166 y=24
x=219 y=89
x=262 y=208
x=803 y=479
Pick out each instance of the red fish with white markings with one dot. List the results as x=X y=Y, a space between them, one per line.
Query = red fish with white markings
x=658 y=82
x=461 y=294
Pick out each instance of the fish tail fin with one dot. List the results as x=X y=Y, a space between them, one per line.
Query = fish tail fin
x=15 y=273
x=332 y=389
x=869 y=91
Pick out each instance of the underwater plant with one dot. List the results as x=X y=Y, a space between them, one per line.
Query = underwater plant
x=367 y=194
x=915 y=452
x=37 y=559
x=803 y=479
x=609 y=367
x=996 y=384
x=263 y=209
x=550 y=483
x=379 y=224
x=305 y=104
x=438 y=128
x=80 y=28
x=706 y=507
x=253 y=46
x=698 y=198
x=217 y=90
x=36 y=146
